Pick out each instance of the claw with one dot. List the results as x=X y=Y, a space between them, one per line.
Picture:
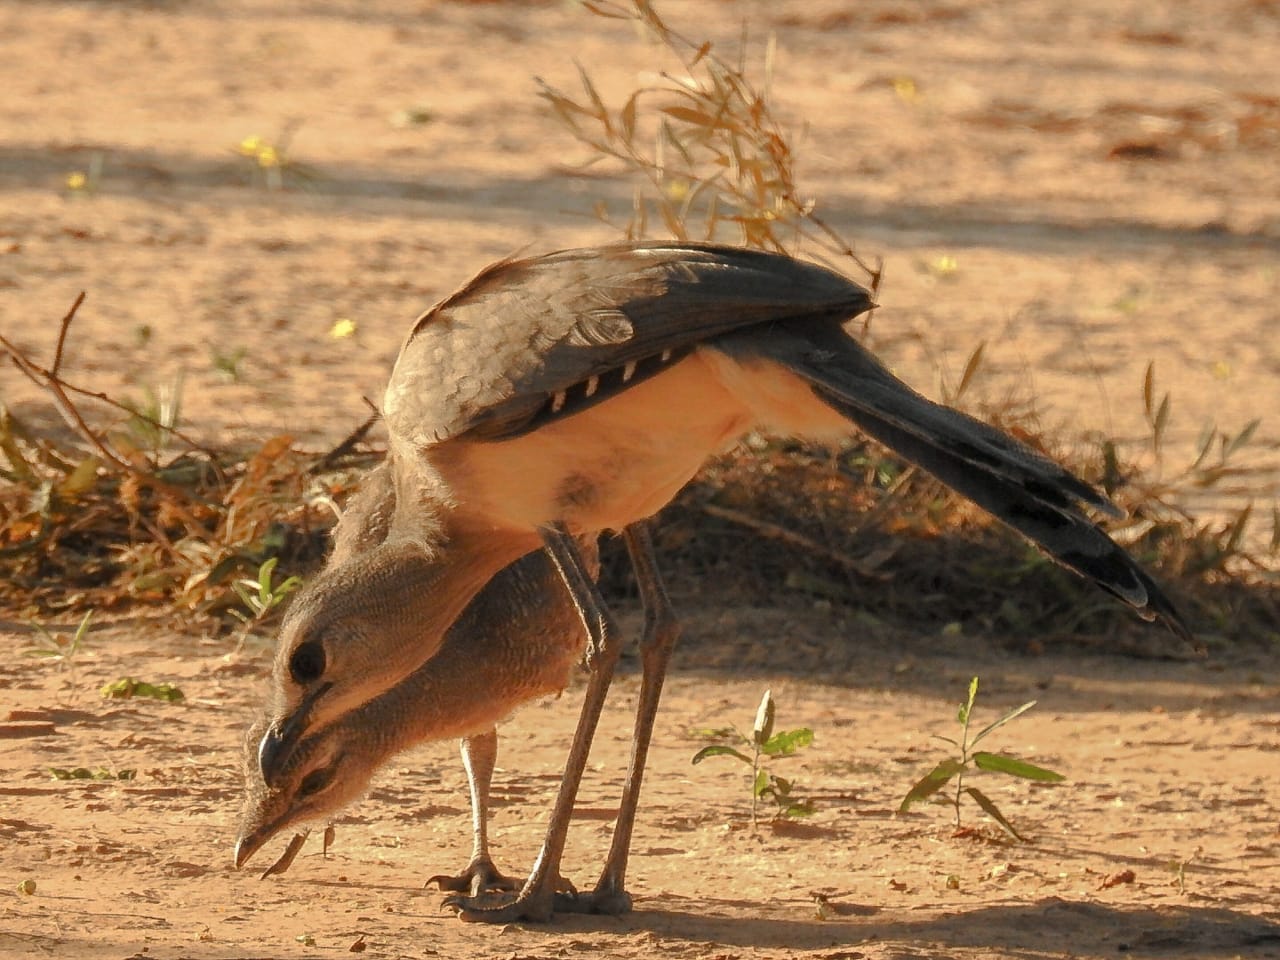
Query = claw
x=480 y=876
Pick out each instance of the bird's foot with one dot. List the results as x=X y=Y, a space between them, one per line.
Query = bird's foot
x=480 y=877
x=537 y=903
x=607 y=898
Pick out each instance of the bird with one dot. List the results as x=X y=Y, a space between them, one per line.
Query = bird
x=518 y=641
x=563 y=395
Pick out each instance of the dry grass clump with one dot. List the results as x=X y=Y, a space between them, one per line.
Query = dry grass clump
x=134 y=512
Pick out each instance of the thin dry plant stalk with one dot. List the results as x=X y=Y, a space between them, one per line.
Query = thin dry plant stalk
x=712 y=146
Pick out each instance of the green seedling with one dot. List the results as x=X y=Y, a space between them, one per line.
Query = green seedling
x=227 y=363
x=260 y=596
x=156 y=416
x=763 y=742
x=955 y=768
x=269 y=162
x=126 y=688
x=59 y=647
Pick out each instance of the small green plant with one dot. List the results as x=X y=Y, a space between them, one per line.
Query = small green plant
x=260 y=596
x=84 y=183
x=763 y=742
x=155 y=417
x=269 y=162
x=59 y=647
x=971 y=759
x=227 y=363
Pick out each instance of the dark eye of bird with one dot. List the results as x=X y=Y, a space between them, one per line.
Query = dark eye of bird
x=315 y=781
x=307 y=663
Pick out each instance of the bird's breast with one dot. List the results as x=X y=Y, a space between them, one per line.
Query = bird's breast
x=606 y=467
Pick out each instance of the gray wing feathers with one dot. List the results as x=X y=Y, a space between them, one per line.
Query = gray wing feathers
x=528 y=329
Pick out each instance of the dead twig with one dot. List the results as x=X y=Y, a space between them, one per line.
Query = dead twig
x=48 y=379
x=348 y=444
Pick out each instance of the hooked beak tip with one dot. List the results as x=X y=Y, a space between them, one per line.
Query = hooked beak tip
x=283 y=735
x=245 y=848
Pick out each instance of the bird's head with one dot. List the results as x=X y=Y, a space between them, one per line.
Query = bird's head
x=323 y=773
x=354 y=632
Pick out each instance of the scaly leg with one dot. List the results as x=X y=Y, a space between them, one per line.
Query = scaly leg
x=537 y=899
x=479 y=755
x=661 y=631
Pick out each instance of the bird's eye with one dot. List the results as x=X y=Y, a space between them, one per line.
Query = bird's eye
x=315 y=781
x=307 y=663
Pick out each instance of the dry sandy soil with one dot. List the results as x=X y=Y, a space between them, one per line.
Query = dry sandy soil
x=1105 y=178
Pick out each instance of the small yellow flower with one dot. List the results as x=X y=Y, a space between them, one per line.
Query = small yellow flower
x=906 y=89
x=945 y=265
x=77 y=181
x=267 y=156
x=250 y=145
x=342 y=328
x=676 y=190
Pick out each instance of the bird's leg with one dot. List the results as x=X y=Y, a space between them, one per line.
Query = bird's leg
x=661 y=631
x=479 y=754
x=536 y=899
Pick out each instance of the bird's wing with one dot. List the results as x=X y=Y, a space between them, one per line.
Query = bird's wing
x=530 y=339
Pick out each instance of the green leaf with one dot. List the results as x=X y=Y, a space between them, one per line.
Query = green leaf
x=932 y=782
x=990 y=810
x=1015 y=712
x=81 y=479
x=787 y=742
x=763 y=728
x=1002 y=763
x=720 y=750
x=1160 y=423
x=264 y=580
x=804 y=808
x=762 y=783
x=1241 y=439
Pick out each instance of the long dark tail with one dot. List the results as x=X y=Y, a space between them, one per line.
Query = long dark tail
x=1014 y=483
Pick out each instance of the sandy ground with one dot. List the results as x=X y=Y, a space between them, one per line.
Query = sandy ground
x=1168 y=765
x=1100 y=180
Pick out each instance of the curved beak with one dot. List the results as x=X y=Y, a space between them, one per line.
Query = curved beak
x=281 y=738
x=249 y=844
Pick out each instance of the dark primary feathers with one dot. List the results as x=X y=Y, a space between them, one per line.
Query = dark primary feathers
x=1005 y=477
